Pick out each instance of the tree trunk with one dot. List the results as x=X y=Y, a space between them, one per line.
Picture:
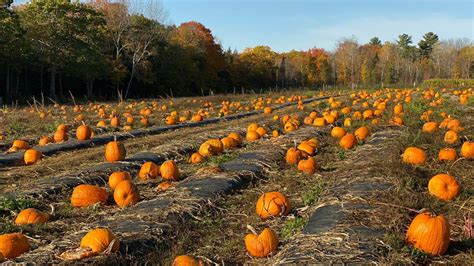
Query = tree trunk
x=17 y=84
x=130 y=81
x=61 y=94
x=52 y=88
x=89 y=85
x=41 y=78
x=7 y=85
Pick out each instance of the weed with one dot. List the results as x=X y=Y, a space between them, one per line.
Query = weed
x=293 y=226
x=313 y=195
x=15 y=204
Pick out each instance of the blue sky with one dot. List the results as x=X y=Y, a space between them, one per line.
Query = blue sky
x=302 y=24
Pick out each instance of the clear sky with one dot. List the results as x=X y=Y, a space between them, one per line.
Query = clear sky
x=302 y=24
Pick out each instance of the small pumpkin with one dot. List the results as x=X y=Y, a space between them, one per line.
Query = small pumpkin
x=306 y=149
x=115 y=151
x=20 y=145
x=185 y=260
x=31 y=216
x=98 y=240
x=443 y=186
x=275 y=133
x=83 y=132
x=126 y=194
x=429 y=233
x=429 y=127
x=229 y=143
x=115 y=121
x=447 y=154
x=149 y=170
x=169 y=170
x=116 y=177
x=217 y=146
x=206 y=150
x=31 y=156
x=196 y=158
x=13 y=245
x=451 y=137
x=362 y=133
x=414 y=156
x=338 y=132
x=307 y=166
x=60 y=135
x=293 y=156
x=236 y=137
x=261 y=245
x=45 y=140
x=348 y=141
x=86 y=195
x=467 y=150
x=252 y=135
x=272 y=204
x=165 y=185
x=170 y=120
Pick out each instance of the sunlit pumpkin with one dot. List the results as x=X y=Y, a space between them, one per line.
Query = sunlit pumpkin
x=45 y=140
x=83 y=132
x=348 y=141
x=237 y=137
x=148 y=170
x=272 y=204
x=13 y=245
x=98 y=240
x=60 y=135
x=169 y=170
x=430 y=127
x=261 y=245
x=293 y=156
x=447 y=154
x=86 y=195
x=429 y=233
x=185 y=260
x=217 y=146
x=252 y=135
x=443 y=186
x=307 y=166
x=117 y=177
x=362 y=133
x=467 y=150
x=115 y=151
x=126 y=194
x=338 y=132
x=414 y=156
x=31 y=156
x=31 y=216
x=451 y=137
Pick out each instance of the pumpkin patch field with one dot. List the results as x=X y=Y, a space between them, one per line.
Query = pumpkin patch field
x=349 y=176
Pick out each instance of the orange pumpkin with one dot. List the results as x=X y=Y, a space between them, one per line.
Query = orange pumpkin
x=236 y=137
x=196 y=158
x=307 y=166
x=362 y=133
x=165 y=185
x=348 y=141
x=126 y=194
x=45 y=140
x=86 y=195
x=338 y=132
x=31 y=216
x=83 y=132
x=206 y=150
x=185 y=260
x=31 y=156
x=429 y=233
x=117 y=177
x=98 y=240
x=293 y=156
x=217 y=146
x=430 y=127
x=149 y=170
x=447 y=154
x=13 y=245
x=443 y=186
x=261 y=245
x=60 y=135
x=229 y=143
x=169 y=170
x=306 y=149
x=451 y=137
x=252 y=135
x=414 y=156
x=115 y=121
x=467 y=150
x=115 y=151
x=272 y=204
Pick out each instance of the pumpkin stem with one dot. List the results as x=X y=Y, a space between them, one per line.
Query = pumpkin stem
x=249 y=227
x=115 y=138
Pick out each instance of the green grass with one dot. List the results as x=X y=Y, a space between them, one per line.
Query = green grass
x=16 y=129
x=313 y=194
x=15 y=204
x=294 y=226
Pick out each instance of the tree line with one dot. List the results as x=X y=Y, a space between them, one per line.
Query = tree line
x=102 y=49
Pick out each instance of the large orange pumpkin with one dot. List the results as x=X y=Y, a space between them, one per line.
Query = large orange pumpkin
x=348 y=141
x=126 y=194
x=272 y=204
x=261 y=245
x=98 y=240
x=83 y=132
x=447 y=154
x=31 y=156
x=149 y=170
x=13 y=245
x=169 y=170
x=451 y=137
x=31 y=216
x=444 y=186
x=115 y=151
x=429 y=233
x=117 y=177
x=86 y=195
x=338 y=132
x=362 y=133
x=414 y=155
x=307 y=166
x=293 y=156
x=467 y=150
